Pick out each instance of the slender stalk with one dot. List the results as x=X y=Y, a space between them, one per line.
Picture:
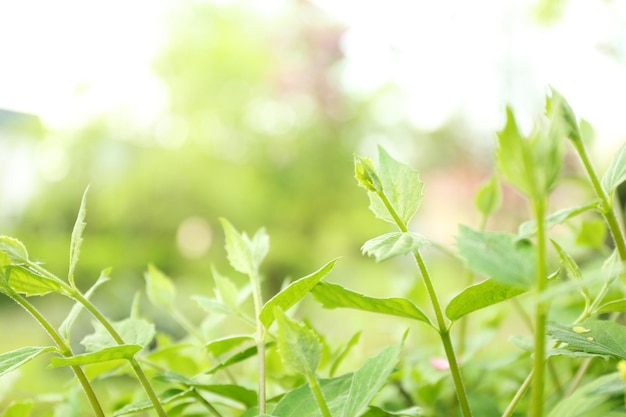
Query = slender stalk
x=541 y=312
x=442 y=326
x=207 y=404
x=64 y=349
x=260 y=335
x=319 y=396
x=508 y=412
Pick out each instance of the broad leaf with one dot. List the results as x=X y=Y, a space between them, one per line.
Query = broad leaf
x=18 y=409
x=238 y=357
x=77 y=237
x=529 y=228
x=394 y=244
x=592 y=233
x=288 y=297
x=511 y=155
x=612 y=306
x=597 y=398
x=244 y=254
x=102 y=355
x=12 y=360
x=299 y=347
x=15 y=249
x=133 y=332
x=598 y=337
x=220 y=346
x=616 y=173
x=24 y=280
x=335 y=296
x=561 y=108
x=300 y=402
x=488 y=198
x=159 y=287
x=480 y=295
x=497 y=255
x=237 y=393
x=225 y=290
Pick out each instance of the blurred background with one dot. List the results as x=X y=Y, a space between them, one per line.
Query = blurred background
x=177 y=112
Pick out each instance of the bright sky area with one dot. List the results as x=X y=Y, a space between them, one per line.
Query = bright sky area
x=68 y=60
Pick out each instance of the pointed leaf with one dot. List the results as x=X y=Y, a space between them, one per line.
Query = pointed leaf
x=168 y=397
x=288 y=297
x=345 y=351
x=394 y=244
x=237 y=393
x=592 y=233
x=612 y=306
x=300 y=402
x=558 y=104
x=77 y=237
x=529 y=228
x=598 y=337
x=597 y=398
x=133 y=332
x=365 y=174
x=24 y=280
x=238 y=357
x=220 y=346
x=488 y=198
x=497 y=255
x=511 y=152
x=481 y=295
x=567 y=262
x=336 y=296
x=102 y=355
x=225 y=289
x=160 y=289
x=12 y=360
x=15 y=249
x=616 y=173
x=299 y=347
x=244 y=254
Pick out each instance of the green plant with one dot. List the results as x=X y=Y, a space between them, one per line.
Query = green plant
x=568 y=287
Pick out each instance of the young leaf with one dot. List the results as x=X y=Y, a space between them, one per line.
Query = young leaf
x=160 y=288
x=77 y=237
x=24 y=280
x=402 y=186
x=165 y=398
x=595 y=399
x=612 y=306
x=245 y=254
x=12 y=360
x=394 y=244
x=133 y=332
x=18 y=255
x=497 y=255
x=567 y=262
x=512 y=154
x=18 y=409
x=488 y=198
x=365 y=174
x=616 y=173
x=481 y=295
x=592 y=233
x=237 y=393
x=336 y=296
x=299 y=347
x=102 y=355
x=225 y=290
x=288 y=297
x=300 y=402
x=600 y=337
x=529 y=228
x=238 y=357
x=220 y=346
x=560 y=107
x=345 y=351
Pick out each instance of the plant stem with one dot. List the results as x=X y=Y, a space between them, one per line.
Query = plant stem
x=258 y=303
x=541 y=312
x=64 y=349
x=518 y=395
x=442 y=326
x=319 y=395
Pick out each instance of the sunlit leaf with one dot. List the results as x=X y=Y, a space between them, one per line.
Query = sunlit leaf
x=612 y=306
x=24 y=280
x=592 y=233
x=345 y=351
x=288 y=297
x=488 y=198
x=498 y=255
x=225 y=289
x=300 y=402
x=511 y=155
x=15 y=249
x=480 y=295
x=298 y=346
x=244 y=254
x=597 y=398
x=132 y=331
x=237 y=393
x=160 y=288
x=601 y=337
x=529 y=228
x=616 y=173
x=18 y=409
x=336 y=296
x=394 y=244
x=77 y=237
x=365 y=174
x=102 y=355
x=238 y=357
x=9 y=361
x=220 y=346
x=168 y=397
x=557 y=104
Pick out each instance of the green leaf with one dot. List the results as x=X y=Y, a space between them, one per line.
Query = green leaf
x=102 y=355
x=244 y=254
x=12 y=360
x=18 y=409
x=592 y=233
x=369 y=379
x=237 y=393
x=133 y=332
x=67 y=324
x=599 y=337
x=488 y=198
x=299 y=347
x=225 y=289
x=567 y=262
x=595 y=399
x=159 y=288
x=497 y=255
x=16 y=250
x=394 y=244
x=300 y=402
x=511 y=156
x=239 y=357
x=165 y=398
x=288 y=297
x=365 y=174
x=344 y=352
x=335 y=296
x=480 y=295
x=529 y=228
x=612 y=306
x=24 y=280
x=616 y=173
x=77 y=237
x=558 y=106
x=220 y=346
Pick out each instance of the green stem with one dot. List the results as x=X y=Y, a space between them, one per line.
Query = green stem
x=207 y=404
x=260 y=335
x=442 y=326
x=319 y=395
x=518 y=395
x=541 y=312
x=64 y=349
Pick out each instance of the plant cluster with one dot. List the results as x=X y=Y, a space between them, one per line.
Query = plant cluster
x=572 y=305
